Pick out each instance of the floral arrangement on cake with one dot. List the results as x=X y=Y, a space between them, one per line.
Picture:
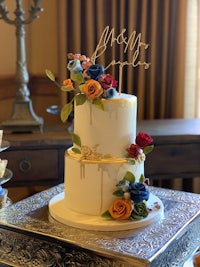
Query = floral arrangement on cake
x=131 y=195
x=143 y=145
x=93 y=83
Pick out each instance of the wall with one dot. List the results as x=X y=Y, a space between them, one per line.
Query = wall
x=41 y=39
x=41 y=52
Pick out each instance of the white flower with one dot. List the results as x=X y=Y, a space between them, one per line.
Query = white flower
x=141 y=157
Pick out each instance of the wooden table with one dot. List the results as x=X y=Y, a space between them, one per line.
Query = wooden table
x=37 y=158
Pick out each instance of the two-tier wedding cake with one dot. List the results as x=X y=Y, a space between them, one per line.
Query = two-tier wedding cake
x=105 y=184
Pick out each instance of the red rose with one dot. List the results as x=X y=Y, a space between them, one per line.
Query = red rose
x=143 y=139
x=107 y=81
x=133 y=151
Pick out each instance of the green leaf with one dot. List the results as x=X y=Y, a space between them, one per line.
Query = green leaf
x=118 y=193
x=148 y=149
x=66 y=89
x=66 y=110
x=81 y=87
x=75 y=139
x=76 y=150
x=77 y=77
x=131 y=162
x=80 y=99
x=142 y=178
x=98 y=103
x=50 y=75
x=129 y=176
x=106 y=214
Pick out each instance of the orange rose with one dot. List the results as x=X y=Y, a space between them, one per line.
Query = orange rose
x=92 y=89
x=68 y=83
x=121 y=209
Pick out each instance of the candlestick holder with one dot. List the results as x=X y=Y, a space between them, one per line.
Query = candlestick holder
x=23 y=118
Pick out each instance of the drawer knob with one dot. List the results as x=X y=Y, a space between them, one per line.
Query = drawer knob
x=25 y=165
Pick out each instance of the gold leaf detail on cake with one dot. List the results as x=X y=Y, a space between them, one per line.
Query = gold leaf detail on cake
x=90 y=154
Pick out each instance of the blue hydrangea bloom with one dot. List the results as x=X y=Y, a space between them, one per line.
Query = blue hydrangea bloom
x=95 y=71
x=138 y=192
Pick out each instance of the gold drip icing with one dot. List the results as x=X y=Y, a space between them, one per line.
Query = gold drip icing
x=82 y=170
x=90 y=113
x=105 y=168
x=101 y=188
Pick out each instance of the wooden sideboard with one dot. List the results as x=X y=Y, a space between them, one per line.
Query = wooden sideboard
x=38 y=159
x=176 y=156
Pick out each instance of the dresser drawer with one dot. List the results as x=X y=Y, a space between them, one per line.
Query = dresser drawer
x=33 y=166
x=174 y=160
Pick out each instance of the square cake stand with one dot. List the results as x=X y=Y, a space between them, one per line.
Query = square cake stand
x=31 y=237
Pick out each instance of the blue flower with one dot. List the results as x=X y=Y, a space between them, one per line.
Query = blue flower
x=109 y=93
x=95 y=71
x=74 y=66
x=139 y=192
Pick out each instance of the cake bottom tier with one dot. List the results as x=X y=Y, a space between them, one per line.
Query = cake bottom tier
x=89 y=186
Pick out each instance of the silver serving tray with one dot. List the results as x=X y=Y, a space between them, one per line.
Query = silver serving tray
x=168 y=242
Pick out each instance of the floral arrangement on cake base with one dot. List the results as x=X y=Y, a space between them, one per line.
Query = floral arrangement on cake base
x=93 y=83
x=131 y=195
x=131 y=201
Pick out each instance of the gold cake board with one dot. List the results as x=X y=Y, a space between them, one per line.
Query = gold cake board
x=59 y=211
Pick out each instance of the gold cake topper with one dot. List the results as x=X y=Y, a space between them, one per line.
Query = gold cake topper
x=133 y=43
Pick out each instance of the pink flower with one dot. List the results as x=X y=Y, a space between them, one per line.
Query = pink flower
x=143 y=139
x=77 y=56
x=82 y=58
x=86 y=64
x=70 y=56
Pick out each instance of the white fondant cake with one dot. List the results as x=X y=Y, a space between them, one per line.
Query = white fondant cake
x=104 y=169
x=110 y=130
x=92 y=177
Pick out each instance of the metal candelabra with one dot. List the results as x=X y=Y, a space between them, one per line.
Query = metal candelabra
x=23 y=118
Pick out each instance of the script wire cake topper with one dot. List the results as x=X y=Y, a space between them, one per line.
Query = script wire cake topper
x=132 y=43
